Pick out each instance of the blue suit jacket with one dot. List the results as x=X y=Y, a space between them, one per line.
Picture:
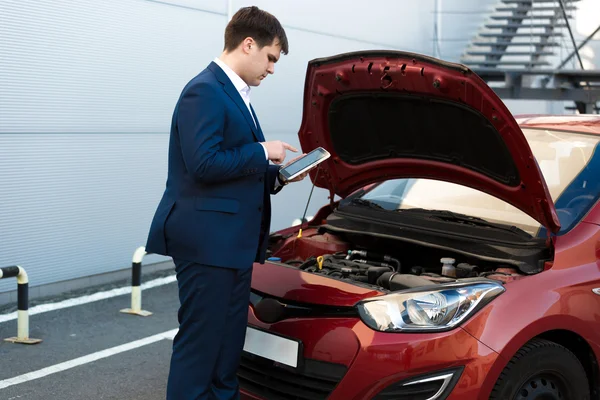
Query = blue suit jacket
x=216 y=208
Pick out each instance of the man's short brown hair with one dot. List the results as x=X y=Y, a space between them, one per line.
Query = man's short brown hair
x=253 y=22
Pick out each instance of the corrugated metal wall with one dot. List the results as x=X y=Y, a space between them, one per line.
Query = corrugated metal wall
x=86 y=94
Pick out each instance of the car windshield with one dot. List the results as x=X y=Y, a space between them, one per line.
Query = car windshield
x=570 y=165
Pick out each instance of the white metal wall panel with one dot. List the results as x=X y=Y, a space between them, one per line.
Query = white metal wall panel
x=87 y=89
x=73 y=205
x=99 y=66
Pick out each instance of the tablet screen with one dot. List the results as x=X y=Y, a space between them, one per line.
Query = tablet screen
x=308 y=161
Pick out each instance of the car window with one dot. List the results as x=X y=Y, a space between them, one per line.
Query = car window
x=570 y=164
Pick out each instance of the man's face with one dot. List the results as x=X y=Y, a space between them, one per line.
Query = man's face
x=260 y=62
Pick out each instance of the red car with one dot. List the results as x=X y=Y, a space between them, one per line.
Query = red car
x=458 y=258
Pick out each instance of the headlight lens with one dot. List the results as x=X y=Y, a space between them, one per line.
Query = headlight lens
x=442 y=308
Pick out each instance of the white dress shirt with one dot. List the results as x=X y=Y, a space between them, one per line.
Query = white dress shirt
x=242 y=87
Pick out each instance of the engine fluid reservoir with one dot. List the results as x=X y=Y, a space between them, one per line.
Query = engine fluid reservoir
x=448 y=268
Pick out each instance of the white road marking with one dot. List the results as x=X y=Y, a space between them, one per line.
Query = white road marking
x=53 y=369
x=77 y=301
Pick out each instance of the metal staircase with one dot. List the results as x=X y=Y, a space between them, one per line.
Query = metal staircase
x=516 y=46
x=521 y=33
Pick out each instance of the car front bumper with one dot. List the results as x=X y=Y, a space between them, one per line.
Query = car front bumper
x=343 y=359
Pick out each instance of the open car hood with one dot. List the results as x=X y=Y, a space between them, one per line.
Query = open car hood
x=389 y=114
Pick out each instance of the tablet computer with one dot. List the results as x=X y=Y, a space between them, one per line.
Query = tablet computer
x=304 y=163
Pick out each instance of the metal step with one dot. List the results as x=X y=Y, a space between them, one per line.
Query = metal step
x=506 y=63
x=511 y=53
x=578 y=75
x=520 y=17
x=596 y=108
x=535 y=1
x=525 y=25
x=518 y=44
x=535 y=9
x=510 y=34
x=491 y=74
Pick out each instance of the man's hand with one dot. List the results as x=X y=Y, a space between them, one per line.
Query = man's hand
x=301 y=176
x=276 y=150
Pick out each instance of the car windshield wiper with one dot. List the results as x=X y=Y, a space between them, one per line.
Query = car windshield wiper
x=443 y=214
x=449 y=216
x=366 y=203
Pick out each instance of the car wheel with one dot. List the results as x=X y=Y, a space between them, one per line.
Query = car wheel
x=542 y=370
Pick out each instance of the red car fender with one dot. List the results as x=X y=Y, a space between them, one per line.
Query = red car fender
x=505 y=331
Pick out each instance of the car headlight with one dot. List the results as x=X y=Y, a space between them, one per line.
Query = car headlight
x=427 y=310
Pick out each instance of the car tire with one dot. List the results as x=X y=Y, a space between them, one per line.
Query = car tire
x=542 y=369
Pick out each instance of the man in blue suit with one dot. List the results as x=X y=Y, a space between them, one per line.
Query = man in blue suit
x=214 y=216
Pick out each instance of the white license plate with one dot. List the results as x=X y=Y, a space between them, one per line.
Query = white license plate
x=272 y=347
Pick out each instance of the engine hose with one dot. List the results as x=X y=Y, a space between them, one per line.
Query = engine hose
x=310 y=262
x=369 y=255
x=394 y=281
x=394 y=261
x=375 y=264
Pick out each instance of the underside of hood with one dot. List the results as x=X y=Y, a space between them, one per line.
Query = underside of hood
x=387 y=114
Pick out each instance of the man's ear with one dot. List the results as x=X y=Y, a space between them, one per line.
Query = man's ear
x=248 y=44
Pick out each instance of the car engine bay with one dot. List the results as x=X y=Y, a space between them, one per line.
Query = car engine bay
x=387 y=264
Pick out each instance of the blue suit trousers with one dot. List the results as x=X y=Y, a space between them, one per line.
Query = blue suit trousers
x=213 y=315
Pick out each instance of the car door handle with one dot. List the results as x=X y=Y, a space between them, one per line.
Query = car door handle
x=597 y=291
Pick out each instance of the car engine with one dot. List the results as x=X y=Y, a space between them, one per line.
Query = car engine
x=330 y=255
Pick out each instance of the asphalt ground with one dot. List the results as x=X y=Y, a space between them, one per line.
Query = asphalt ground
x=93 y=351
